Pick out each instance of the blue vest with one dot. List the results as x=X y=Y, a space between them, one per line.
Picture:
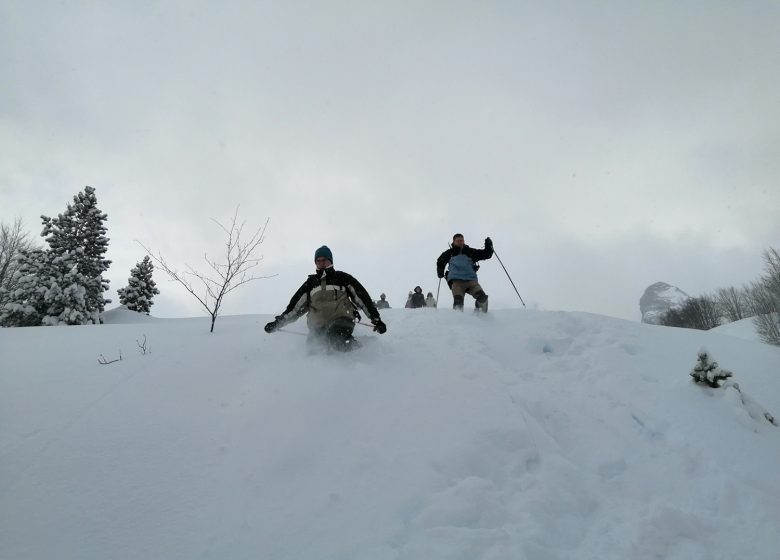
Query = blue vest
x=461 y=268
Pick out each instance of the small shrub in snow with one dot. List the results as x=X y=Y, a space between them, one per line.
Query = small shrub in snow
x=143 y=347
x=141 y=289
x=707 y=371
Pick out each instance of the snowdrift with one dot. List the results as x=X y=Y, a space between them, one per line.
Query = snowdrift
x=516 y=435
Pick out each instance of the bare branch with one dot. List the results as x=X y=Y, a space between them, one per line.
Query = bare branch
x=102 y=360
x=13 y=241
x=142 y=345
x=229 y=274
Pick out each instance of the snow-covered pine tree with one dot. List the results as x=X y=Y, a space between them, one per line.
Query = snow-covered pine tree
x=141 y=289
x=706 y=371
x=80 y=232
x=49 y=291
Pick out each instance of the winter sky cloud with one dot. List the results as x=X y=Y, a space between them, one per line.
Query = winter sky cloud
x=602 y=146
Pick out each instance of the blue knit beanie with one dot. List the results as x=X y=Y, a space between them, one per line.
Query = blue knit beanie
x=323 y=252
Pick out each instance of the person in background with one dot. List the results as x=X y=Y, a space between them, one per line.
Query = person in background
x=418 y=299
x=382 y=303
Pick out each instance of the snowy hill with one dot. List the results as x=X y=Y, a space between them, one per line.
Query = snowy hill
x=517 y=435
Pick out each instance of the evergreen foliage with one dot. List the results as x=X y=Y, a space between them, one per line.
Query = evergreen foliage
x=140 y=289
x=706 y=371
x=49 y=291
x=64 y=284
x=80 y=231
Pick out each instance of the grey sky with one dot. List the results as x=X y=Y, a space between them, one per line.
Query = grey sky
x=604 y=146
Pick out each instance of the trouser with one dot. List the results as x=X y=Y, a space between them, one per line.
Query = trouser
x=335 y=336
x=462 y=287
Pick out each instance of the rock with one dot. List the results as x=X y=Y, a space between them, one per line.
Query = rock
x=658 y=299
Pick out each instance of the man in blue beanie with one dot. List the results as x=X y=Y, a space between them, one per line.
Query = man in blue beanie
x=332 y=299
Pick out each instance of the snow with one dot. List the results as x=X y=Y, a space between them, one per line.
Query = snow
x=122 y=315
x=744 y=329
x=520 y=434
x=675 y=296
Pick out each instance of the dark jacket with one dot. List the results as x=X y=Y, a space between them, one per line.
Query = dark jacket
x=418 y=300
x=461 y=261
x=341 y=284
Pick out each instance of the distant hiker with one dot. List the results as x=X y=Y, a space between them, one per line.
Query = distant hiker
x=418 y=299
x=331 y=298
x=382 y=302
x=408 y=304
x=430 y=301
x=462 y=272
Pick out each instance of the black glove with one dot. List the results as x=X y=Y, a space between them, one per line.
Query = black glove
x=379 y=326
x=488 y=243
x=440 y=275
x=276 y=324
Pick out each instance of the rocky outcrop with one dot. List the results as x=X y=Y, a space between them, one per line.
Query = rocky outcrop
x=658 y=299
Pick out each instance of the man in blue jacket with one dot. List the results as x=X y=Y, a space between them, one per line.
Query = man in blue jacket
x=462 y=272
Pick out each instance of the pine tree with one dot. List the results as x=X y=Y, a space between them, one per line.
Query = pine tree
x=80 y=232
x=140 y=290
x=49 y=291
x=706 y=371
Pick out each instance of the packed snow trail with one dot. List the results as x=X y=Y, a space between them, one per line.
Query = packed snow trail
x=519 y=434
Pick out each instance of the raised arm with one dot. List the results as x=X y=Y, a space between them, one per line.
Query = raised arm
x=482 y=254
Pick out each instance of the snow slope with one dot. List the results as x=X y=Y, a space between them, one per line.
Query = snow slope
x=517 y=435
x=744 y=329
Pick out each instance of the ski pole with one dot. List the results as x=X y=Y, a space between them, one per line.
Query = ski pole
x=510 y=278
x=449 y=246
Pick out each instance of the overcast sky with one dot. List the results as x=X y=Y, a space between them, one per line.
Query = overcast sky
x=603 y=146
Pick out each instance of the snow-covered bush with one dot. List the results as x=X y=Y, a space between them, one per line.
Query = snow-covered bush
x=140 y=289
x=707 y=371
